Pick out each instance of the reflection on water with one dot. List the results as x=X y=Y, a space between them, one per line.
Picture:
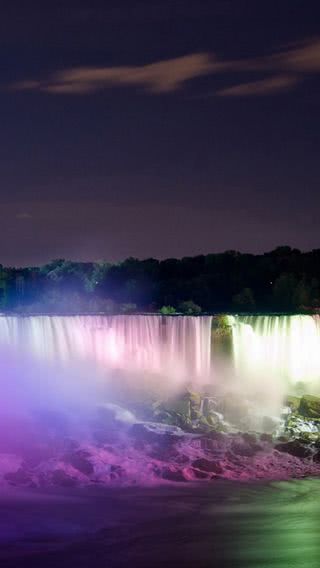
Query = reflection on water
x=224 y=525
x=278 y=527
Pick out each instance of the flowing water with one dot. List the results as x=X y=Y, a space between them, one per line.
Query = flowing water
x=270 y=355
x=181 y=346
x=285 y=348
x=175 y=346
x=224 y=525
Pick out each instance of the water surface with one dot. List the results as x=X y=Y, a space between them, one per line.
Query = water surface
x=221 y=525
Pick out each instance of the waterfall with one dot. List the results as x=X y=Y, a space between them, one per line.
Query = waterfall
x=284 y=347
x=283 y=350
x=176 y=347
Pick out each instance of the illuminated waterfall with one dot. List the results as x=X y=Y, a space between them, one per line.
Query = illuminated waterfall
x=282 y=350
x=285 y=347
x=176 y=347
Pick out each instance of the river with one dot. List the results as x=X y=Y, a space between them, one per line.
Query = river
x=221 y=525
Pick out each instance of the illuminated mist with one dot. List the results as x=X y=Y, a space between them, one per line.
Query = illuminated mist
x=56 y=371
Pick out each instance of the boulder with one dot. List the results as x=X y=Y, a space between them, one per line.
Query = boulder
x=62 y=479
x=180 y=406
x=245 y=449
x=249 y=438
x=79 y=460
x=199 y=474
x=207 y=465
x=176 y=411
x=173 y=474
x=296 y=425
x=295 y=448
x=194 y=397
x=293 y=402
x=19 y=477
x=209 y=405
x=316 y=457
x=266 y=438
x=310 y=406
x=117 y=472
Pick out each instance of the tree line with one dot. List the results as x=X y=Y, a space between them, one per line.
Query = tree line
x=283 y=280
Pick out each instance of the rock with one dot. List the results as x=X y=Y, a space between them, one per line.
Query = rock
x=310 y=406
x=249 y=438
x=165 y=453
x=266 y=438
x=295 y=448
x=117 y=472
x=79 y=460
x=283 y=439
x=175 y=411
x=208 y=406
x=178 y=406
x=213 y=441
x=218 y=436
x=20 y=477
x=198 y=474
x=245 y=448
x=194 y=397
x=172 y=474
x=166 y=417
x=215 y=419
x=293 y=402
x=207 y=444
x=182 y=459
x=105 y=436
x=316 y=457
x=61 y=478
x=295 y=425
x=310 y=437
x=154 y=432
x=207 y=465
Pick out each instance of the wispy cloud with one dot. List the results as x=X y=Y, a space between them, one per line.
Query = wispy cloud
x=268 y=86
x=277 y=72
x=160 y=77
x=285 y=69
x=303 y=57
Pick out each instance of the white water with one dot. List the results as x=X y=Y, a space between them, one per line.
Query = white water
x=281 y=348
x=271 y=353
x=178 y=348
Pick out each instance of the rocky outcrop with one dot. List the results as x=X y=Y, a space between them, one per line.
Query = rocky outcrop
x=310 y=406
x=120 y=449
x=296 y=448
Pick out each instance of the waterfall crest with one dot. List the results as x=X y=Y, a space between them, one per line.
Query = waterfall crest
x=287 y=347
x=179 y=347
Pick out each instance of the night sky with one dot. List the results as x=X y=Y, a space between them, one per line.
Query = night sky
x=158 y=128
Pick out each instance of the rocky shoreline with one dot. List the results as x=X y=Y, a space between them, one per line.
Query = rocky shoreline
x=188 y=439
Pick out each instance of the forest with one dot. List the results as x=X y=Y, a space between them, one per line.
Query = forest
x=284 y=280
